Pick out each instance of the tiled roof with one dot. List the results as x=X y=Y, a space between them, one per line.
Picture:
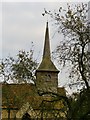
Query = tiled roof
x=15 y=95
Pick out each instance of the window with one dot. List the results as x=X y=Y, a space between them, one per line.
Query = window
x=47 y=77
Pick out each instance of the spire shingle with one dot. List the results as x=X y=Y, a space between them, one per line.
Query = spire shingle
x=47 y=64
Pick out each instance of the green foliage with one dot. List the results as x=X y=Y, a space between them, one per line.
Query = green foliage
x=75 y=107
x=20 y=70
x=81 y=106
x=24 y=67
x=73 y=49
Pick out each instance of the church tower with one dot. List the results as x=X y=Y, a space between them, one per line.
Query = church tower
x=47 y=73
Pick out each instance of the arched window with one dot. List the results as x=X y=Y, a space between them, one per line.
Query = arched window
x=26 y=116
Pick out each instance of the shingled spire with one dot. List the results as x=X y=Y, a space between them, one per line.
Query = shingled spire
x=47 y=64
x=46 y=52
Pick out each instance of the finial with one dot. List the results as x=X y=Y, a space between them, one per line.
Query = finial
x=47 y=17
x=47 y=24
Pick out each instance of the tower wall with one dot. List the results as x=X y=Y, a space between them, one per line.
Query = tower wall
x=47 y=81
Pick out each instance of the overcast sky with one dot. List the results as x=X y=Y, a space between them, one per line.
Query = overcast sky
x=22 y=22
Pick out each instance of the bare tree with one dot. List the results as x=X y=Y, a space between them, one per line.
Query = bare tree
x=73 y=49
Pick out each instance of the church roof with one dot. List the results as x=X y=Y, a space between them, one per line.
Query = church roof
x=15 y=95
x=47 y=64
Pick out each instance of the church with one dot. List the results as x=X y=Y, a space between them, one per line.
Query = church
x=35 y=101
